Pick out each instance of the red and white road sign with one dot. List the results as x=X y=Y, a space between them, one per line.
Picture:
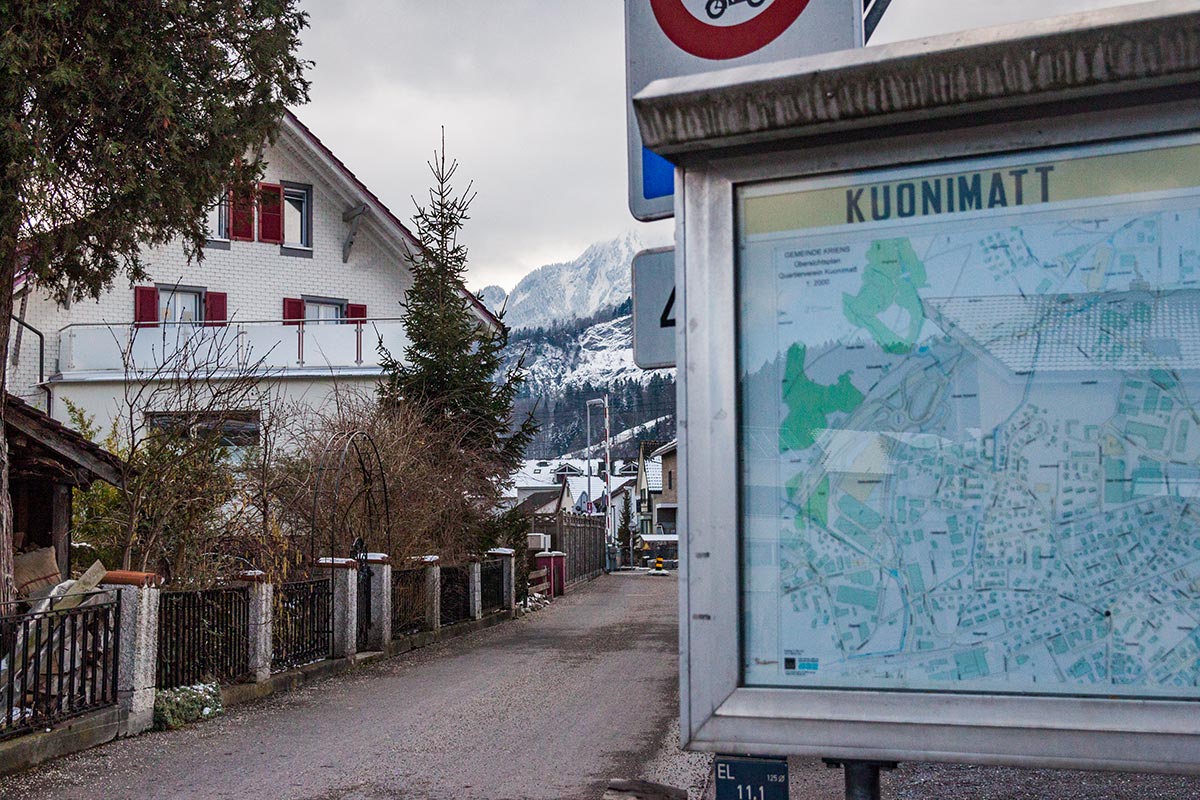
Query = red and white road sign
x=671 y=38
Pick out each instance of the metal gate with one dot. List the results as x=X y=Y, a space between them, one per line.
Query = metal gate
x=351 y=503
x=364 y=595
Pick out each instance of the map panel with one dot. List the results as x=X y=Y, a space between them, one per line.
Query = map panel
x=970 y=426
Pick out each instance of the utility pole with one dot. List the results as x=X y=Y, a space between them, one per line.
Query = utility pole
x=595 y=401
x=610 y=531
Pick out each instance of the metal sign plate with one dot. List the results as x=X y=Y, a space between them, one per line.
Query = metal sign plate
x=751 y=778
x=670 y=38
x=654 y=308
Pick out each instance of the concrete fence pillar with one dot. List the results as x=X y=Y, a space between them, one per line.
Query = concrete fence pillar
x=473 y=590
x=379 y=637
x=508 y=558
x=137 y=642
x=345 y=605
x=262 y=621
x=433 y=593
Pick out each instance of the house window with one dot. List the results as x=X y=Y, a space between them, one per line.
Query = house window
x=297 y=216
x=234 y=429
x=323 y=312
x=180 y=306
x=218 y=220
x=670 y=479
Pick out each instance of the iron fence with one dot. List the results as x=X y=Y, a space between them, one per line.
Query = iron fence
x=491 y=585
x=302 y=625
x=203 y=635
x=409 y=607
x=58 y=659
x=456 y=595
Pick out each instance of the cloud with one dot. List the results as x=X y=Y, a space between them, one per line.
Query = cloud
x=532 y=97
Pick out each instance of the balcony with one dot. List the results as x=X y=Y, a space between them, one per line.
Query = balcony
x=272 y=346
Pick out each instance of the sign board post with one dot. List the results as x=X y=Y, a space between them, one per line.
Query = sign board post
x=941 y=471
x=653 y=290
x=669 y=38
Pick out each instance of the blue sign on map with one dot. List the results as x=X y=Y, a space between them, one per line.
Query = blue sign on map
x=751 y=778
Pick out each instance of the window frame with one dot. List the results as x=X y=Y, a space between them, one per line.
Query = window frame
x=312 y=300
x=305 y=248
x=219 y=239
x=167 y=291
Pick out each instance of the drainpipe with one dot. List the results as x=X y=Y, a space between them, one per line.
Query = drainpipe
x=41 y=360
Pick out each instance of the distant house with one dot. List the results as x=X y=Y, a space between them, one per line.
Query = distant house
x=664 y=536
x=649 y=486
x=547 y=501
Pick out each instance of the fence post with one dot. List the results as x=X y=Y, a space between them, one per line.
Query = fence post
x=345 y=605
x=508 y=557
x=137 y=660
x=262 y=620
x=473 y=576
x=433 y=593
x=379 y=637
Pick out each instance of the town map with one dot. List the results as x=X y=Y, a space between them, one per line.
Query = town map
x=971 y=448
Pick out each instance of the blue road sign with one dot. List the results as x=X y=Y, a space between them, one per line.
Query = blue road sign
x=751 y=778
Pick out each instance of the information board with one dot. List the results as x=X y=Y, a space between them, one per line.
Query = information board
x=970 y=425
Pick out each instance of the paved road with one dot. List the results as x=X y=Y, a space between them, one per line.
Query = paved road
x=548 y=706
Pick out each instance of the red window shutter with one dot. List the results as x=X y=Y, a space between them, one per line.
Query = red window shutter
x=215 y=308
x=145 y=306
x=355 y=311
x=241 y=217
x=293 y=310
x=270 y=213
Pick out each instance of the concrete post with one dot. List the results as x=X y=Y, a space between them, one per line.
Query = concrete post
x=508 y=557
x=379 y=637
x=138 y=657
x=262 y=618
x=345 y=605
x=473 y=590
x=433 y=593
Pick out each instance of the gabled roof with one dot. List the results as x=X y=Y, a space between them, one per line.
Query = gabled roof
x=669 y=447
x=538 y=499
x=292 y=122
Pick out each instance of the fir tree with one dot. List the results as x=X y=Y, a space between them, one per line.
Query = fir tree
x=452 y=367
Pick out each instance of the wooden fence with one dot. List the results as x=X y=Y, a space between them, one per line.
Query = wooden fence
x=580 y=537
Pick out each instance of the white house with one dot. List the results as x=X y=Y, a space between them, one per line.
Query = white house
x=304 y=283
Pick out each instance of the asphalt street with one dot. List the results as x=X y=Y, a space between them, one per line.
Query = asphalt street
x=548 y=706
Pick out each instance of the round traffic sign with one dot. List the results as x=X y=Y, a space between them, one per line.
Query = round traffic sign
x=720 y=42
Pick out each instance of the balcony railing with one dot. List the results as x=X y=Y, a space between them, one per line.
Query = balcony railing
x=268 y=345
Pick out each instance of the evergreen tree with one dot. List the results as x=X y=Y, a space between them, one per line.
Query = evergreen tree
x=452 y=367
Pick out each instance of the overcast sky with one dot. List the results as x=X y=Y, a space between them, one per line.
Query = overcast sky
x=532 y=96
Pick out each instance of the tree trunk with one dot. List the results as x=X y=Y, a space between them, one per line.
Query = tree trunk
x=8 y=270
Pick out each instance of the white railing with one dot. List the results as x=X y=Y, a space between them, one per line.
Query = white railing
x=272 y=344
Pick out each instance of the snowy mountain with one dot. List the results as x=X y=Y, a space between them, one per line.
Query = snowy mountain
x=596 y=356
x=598 y=279
x=571 y=323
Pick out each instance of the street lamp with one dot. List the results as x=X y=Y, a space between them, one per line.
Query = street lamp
x=588 y=453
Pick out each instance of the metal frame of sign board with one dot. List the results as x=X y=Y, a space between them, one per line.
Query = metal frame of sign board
x=719 y=714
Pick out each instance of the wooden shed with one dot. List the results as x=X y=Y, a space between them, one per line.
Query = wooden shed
x=46 y=461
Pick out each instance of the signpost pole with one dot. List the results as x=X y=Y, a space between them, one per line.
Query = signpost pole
x=862 y=777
